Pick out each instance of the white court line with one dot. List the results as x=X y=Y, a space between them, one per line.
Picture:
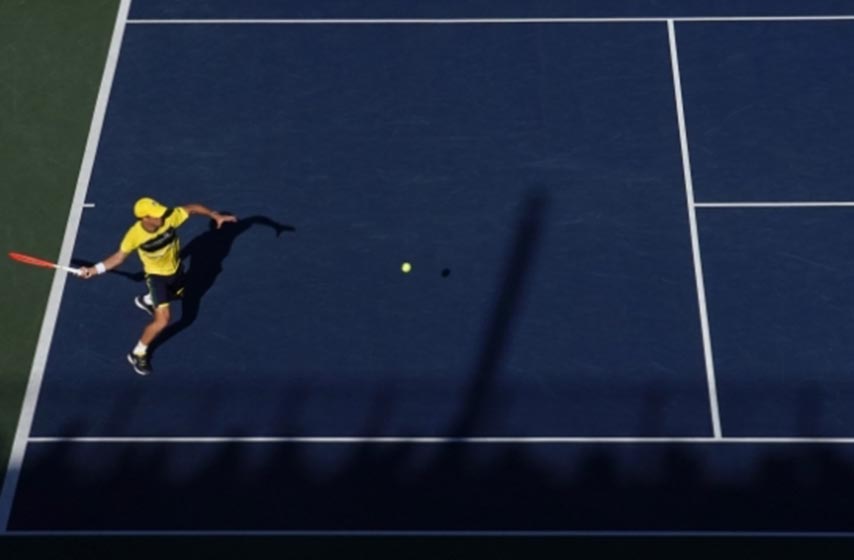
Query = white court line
x=468 y=21
x=695 y=238
x=426 y=533
x=25 y=421
x=774 y=204
x=442 y=440
x=89 y=205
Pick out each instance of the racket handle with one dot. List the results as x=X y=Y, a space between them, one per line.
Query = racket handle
x=74 y=271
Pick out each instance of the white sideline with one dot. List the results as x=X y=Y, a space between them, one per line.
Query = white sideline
x=28 y=408
x=695 y=238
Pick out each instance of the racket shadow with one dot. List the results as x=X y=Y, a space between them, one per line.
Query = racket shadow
x=206 y=254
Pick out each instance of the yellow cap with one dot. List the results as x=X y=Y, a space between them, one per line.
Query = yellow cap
x=148 y=207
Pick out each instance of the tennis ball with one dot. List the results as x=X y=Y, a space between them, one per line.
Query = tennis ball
x=406 y=267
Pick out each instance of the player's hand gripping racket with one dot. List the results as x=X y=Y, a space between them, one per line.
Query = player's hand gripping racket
x=27 y=259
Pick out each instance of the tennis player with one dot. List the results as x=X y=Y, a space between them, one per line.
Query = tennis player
x=155 y=239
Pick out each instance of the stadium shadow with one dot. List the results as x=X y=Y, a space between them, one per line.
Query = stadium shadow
x=499 y=327
x=438 y=486
x=206 y=254
x=446 y=487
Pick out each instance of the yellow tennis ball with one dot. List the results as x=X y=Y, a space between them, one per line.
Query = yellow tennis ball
x=406 y=267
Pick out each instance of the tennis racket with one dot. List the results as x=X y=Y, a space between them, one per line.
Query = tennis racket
x=27 y=259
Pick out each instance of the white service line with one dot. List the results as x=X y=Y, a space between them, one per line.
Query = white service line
x=442 y=440
x=469 y=21
x=695 y=238
x=773 y=204
x=25 y=420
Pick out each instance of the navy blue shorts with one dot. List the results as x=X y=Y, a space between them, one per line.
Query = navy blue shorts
x=164 y=289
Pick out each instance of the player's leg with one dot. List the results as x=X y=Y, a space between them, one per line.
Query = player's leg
x=159 y=290
x=158 y=323
x=146 y=300
x=139 y=358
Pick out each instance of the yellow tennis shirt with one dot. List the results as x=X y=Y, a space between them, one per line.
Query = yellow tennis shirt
x=159 y=251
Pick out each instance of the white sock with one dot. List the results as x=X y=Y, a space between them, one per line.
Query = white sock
x=140 y=349
x=147 y=299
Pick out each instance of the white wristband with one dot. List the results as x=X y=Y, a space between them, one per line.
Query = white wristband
x=100 y=268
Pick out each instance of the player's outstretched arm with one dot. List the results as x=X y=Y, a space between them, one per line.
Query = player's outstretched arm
x=109 y=263
x=198 y=209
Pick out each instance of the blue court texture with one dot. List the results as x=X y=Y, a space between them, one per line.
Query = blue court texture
x=540 y=165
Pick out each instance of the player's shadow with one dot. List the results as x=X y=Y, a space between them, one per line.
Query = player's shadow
x=206 y=254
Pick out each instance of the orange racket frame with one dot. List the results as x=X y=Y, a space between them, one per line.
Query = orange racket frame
x=35 y=261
